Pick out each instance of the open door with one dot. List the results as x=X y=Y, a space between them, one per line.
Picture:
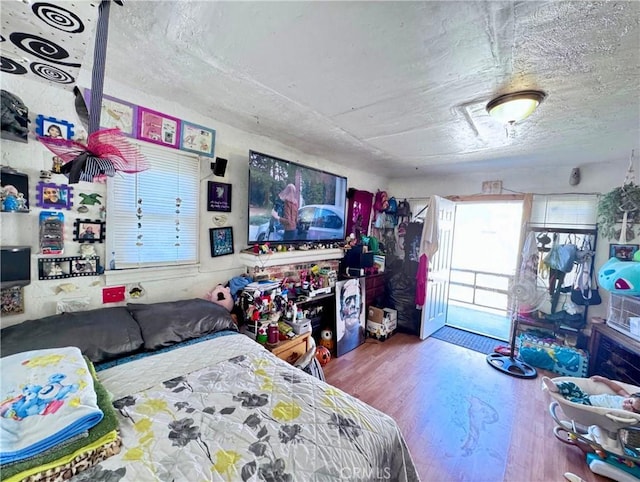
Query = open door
x=434 y=312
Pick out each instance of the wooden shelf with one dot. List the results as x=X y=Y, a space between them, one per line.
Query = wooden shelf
x=252 y=260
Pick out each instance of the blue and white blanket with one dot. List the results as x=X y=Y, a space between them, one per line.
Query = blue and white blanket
x=46 y=397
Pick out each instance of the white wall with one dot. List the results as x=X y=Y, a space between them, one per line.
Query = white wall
x=231 y=143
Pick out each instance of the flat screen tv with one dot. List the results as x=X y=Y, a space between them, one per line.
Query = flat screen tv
x=16 y=266
x=276 y=186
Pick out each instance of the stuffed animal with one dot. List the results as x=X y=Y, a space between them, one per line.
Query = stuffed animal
x=323 y=355
x=326 y=339
x=620 y=277
x=221 y=295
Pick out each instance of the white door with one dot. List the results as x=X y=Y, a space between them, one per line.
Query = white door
x=434 y=312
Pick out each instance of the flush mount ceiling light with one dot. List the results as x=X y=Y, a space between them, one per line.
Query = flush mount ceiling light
x=515 y=107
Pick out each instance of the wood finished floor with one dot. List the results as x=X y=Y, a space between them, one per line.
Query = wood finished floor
x=462 y=419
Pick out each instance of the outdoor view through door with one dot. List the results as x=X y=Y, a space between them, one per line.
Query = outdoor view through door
x=485 y=255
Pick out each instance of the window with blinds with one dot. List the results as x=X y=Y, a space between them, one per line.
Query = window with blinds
x=153 y=215
x=567 y=210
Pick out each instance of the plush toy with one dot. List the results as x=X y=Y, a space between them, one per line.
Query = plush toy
x=326 y=339
x=221 y=295
x=620 y=277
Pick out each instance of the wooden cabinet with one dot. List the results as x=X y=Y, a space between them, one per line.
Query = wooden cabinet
x=614 y=355
x=374 y=289
x=291 y=350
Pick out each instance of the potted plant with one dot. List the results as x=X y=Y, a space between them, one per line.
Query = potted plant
x=612 y=208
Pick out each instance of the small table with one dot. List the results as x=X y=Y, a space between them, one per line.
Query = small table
x=292 y=349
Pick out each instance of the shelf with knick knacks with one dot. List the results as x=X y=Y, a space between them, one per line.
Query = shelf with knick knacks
x=14 y=193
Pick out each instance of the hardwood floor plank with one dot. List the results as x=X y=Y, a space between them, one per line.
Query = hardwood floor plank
x=462 y=420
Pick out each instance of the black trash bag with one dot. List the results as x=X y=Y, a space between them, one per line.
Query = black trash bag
x=14 y=117
x=401 y=291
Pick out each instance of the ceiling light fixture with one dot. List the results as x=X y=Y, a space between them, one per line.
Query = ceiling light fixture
x=515 y=107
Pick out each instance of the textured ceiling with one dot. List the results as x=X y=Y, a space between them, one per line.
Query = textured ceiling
x=396 y=88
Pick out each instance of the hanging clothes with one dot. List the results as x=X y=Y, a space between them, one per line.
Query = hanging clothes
x=428 y=247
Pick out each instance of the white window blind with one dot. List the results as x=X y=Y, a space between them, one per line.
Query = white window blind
x=152 y=216
x=568 y=210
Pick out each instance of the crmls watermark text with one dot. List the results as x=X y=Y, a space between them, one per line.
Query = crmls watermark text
x=362 y=473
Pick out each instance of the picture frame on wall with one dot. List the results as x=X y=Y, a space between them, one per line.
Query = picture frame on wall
x=623 y=252
x=116 y=113
x=158 y=128
x=197 y=139
x=68 y=267
x=12 y=300
x=89 y=231
x=54 y=128
x=54 y=196
x=219 y=196
x=221 y=240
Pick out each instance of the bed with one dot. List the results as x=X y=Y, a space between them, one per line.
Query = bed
x=219 y=406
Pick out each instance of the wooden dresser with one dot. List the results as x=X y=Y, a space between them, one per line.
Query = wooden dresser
x=291 y=350
x=614 y=355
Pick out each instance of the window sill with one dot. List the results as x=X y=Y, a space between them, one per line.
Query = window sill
x=136 y=275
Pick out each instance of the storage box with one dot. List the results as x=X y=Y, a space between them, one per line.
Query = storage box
x=381 y=322
x=301 y=325
x=624 y=312
x=381 y=331
x=391 y=316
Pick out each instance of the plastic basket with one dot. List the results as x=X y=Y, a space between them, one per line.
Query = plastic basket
x=621 y=310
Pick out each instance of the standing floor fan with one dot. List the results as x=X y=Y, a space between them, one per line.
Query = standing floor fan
x=527 y=299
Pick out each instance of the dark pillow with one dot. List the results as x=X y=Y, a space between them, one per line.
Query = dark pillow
x=164 y=324
x=101 y=334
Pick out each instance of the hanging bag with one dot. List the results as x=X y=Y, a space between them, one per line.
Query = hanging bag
x=582 y=293
x=561 y=256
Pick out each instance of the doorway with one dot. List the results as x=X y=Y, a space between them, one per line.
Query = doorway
x=486 y=240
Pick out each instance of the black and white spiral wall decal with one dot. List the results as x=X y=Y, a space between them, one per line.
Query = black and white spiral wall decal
x=42 y=48
x=58 y=17
x=46 y=41
x=10 y=66
x=51 y=73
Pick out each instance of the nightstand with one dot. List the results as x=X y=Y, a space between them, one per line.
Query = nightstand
x=292 y=349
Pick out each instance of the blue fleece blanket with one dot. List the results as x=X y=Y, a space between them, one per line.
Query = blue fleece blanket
x=47 y=396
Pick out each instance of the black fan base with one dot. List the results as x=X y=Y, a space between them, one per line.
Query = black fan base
x=511 y=366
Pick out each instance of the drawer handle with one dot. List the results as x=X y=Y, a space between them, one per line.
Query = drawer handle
x=293 y=357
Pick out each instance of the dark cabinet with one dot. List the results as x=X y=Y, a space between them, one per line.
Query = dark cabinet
x=614 y=355
x=374 y=290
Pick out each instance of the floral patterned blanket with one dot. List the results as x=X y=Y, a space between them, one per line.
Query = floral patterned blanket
x=252 y=417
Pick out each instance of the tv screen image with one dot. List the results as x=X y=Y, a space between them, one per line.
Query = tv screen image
x=292 y=203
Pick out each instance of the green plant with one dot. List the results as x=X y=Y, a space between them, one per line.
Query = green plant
x=611 y=208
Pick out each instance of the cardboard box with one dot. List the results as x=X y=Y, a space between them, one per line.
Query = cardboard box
x=375 y=314
x=381 y=331
x=391 y=317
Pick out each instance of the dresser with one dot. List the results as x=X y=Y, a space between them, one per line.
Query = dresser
x=292 y=349
x=614 y=355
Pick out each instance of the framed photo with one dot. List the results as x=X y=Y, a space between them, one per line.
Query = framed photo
x=68 y=267
x=624 y=252
x=221 y=241
x=54 y=128
x=116 y=113
x=88 y=231
x=158 y=128
x=198 y=139
x=54 y=196
x=12 y=300
x=219 y=197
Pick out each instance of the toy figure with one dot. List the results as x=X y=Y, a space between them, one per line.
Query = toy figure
x=323 y=355
x=326 y=339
